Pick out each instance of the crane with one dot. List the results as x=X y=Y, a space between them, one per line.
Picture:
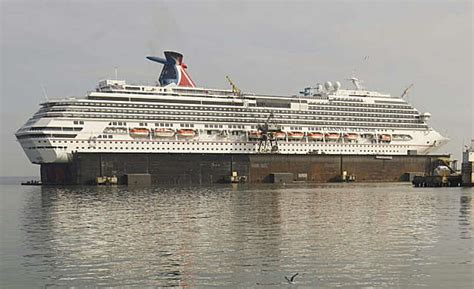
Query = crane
x=268 y=130
x=235 y=89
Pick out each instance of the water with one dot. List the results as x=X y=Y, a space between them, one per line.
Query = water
x=335 y=236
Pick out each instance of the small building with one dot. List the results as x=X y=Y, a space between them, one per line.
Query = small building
x=467 y=169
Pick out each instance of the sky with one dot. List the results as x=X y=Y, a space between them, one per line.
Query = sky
x=270 y=47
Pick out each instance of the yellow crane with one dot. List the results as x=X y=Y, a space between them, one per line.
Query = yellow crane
x=235 y=89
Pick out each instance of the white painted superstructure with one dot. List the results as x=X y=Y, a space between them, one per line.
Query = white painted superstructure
x=172 y=118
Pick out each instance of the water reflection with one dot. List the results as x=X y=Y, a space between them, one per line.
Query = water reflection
x=465 y=216
x=335 y=236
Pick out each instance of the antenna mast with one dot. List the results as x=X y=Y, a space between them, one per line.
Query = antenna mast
x=44 y=92
x=405 y=92
x=355 y=81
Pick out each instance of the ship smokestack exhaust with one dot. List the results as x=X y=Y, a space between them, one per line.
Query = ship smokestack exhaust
x=174 y=70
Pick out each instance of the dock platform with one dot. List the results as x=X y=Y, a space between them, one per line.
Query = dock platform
x=437 y=181
x=195 y=169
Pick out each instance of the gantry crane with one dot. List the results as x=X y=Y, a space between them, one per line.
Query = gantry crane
x=267 y=138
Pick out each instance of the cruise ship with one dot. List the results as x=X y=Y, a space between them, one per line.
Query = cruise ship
x=176 y=116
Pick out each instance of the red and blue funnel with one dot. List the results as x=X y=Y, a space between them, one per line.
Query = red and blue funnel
x=174 y=70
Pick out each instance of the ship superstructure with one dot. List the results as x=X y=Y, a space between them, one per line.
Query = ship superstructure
x=175 y=116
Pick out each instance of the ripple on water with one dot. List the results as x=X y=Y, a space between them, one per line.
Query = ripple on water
x=349 y=236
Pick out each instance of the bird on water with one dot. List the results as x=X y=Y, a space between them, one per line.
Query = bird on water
x=291 y=279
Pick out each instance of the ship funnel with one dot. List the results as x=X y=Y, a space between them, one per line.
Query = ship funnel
x=174 y=70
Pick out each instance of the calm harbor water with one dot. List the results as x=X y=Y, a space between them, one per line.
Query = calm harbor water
x=334 y=236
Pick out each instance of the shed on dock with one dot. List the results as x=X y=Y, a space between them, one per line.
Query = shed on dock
x=280 y=178
x=138 y=179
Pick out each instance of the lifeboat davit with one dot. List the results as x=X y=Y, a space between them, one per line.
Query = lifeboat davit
x=351 y=136
x=223 y=133
x=385 y=138
x=295 y=135
x=186 y=133
x=332 y=136
x=164 y=132
x=279 y=135
x=255 y=135
x=315 y=136
x=139 y=133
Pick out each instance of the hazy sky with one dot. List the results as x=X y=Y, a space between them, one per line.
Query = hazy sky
x=267 y=47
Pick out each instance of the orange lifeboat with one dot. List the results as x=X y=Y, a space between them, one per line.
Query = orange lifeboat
x=186 y=133
x=279 y=135
x=351 y=136
x=315 y=136
x=295 y=135
x=139 y=132
x=385 y=138
x=164 y=132
x=332 y=136
x=255 y=134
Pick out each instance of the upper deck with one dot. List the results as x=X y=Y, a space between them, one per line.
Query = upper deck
x=120 y=90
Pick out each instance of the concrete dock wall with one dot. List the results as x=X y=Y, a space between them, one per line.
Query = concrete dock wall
x=214 y=168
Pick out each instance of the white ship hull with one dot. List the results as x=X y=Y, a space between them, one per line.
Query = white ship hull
x=122 y=118
x=51 y=150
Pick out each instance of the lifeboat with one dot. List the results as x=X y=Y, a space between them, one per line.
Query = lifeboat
x=332 y=136
x=385 y=138
x=351 y=136
x=121 y=130
x=255 y=135
x=186 y=133
x=116 y=130
x=109 y=130
x=295 y=135
x=164 y=132
x=315 y=136
x=279 y=135
x=402 y=137
x=367 y=135
x=139 y=132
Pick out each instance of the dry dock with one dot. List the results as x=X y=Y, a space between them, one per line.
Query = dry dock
x=213 y=168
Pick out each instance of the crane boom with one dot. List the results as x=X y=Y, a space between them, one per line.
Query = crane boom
x=235 y=89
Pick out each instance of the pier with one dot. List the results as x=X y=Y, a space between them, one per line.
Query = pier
x=467 y=169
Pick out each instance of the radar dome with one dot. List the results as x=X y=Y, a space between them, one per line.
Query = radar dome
x=425 y=116
x=337 y=85
x=328 y=85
